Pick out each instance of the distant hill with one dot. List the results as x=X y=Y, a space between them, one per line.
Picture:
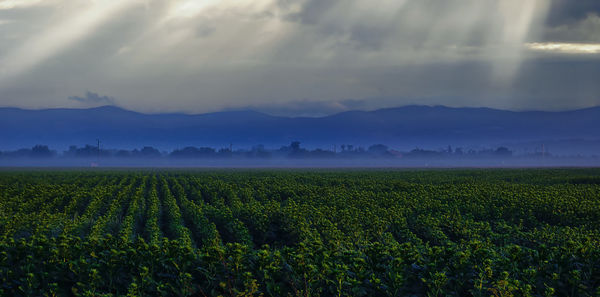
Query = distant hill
x=402 y=128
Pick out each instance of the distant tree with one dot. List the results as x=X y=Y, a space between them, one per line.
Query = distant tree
x=224 y=152
x=193 y=152
x=295 y=146
x=422 y=153
x=378 y=149
x=41 y=151
x=503 y=151
x=149 y=151
x=207 y=151
x=295 y=151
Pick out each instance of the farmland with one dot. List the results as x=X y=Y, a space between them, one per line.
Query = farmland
x=475 y=232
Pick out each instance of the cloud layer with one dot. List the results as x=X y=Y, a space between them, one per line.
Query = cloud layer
x=308 y=56
x=93 y=98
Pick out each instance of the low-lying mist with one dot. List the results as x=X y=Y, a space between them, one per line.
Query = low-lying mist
x=498 y=162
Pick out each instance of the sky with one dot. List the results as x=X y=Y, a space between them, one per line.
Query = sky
x=305 y=57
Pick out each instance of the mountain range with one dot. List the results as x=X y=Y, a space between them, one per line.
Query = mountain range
x=401 y=128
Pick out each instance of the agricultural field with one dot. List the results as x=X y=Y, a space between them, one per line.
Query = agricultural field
x=475 y=232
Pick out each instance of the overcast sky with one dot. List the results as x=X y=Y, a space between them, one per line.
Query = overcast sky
x=307 y=57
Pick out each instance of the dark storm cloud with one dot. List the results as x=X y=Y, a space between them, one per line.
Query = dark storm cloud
x=94 y=98
x=586 y=30
x=569 y=11
x=573 y=21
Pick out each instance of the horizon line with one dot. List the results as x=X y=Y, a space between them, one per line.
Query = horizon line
x=249 y=109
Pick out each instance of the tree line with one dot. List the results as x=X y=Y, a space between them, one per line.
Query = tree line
x=293 y=150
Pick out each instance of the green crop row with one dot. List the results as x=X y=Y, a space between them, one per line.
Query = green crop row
x=300 y=233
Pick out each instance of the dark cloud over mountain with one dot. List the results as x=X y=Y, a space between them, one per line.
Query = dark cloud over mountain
x=91 y=97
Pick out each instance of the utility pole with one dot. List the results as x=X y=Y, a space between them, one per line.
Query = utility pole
x=543 y=151
x=98 y=141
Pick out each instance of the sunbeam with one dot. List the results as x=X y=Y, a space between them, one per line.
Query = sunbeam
x=79 y=23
